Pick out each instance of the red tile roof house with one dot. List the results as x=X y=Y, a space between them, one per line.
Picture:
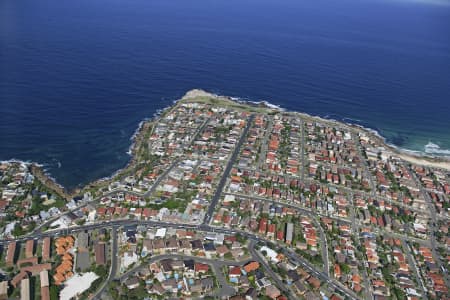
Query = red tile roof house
x=101 y=212
x=271 y=230
x=251 y=266
x=263 y=225
x=201 y=268
x=280 y=235
x=447 y=189
x=146 y=213
x=227 y=220
x=234 y=272
x=109 y=211
x=222 y=250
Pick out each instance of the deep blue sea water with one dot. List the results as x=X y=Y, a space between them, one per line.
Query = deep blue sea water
x=76 y=77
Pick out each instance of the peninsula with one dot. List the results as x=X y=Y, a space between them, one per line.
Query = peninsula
x=233 y=200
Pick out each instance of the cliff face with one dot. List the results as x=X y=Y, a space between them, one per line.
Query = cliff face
x=39 y=173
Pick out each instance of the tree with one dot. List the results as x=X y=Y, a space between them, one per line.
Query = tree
x=345 y=268
x=54 y=293
x=81 y=222
x=18 y=230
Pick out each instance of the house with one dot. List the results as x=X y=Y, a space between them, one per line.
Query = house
x=158 y=245
x=262 y=226
x=201 y=268
x=197 y=245
x=271 y=230
x=237 y=253
x=234 y=272
x=272 y=291
x=171 y=244
x=300 y=287
x=335 y=297
x=177 y=265
x=132 y=283
x=251 y=266
x=156 y=289
x=251 y=294
x=280 y=235
x=160 y=276
x=293 y=275
x=166 y=265
x=209 y=247
x=189 y=267
x=270 y=253
x=184 y=245
x=171 y=285
x=314 y=282
x=222 y=250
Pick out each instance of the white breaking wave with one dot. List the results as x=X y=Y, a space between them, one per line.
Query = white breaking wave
x=264 y=102
x=17 y=161
x=430 y=150
x=435 y=149
x=350 y=120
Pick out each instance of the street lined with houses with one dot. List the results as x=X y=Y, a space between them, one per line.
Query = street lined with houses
x=234 y=201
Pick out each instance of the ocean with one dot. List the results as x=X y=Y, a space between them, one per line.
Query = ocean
x=77 y=77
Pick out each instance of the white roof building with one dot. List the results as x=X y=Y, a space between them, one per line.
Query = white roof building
x=271 y=254
x=76 y=285
x=161 y=232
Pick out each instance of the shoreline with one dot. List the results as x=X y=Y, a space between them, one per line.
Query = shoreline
x=419 y=158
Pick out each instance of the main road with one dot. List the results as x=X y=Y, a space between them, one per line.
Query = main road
x=172 y=165
x=226 y=173
x=433 y=227
x=113 y=269
x=323 y=239
x=286 y=290
x=203 y=227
